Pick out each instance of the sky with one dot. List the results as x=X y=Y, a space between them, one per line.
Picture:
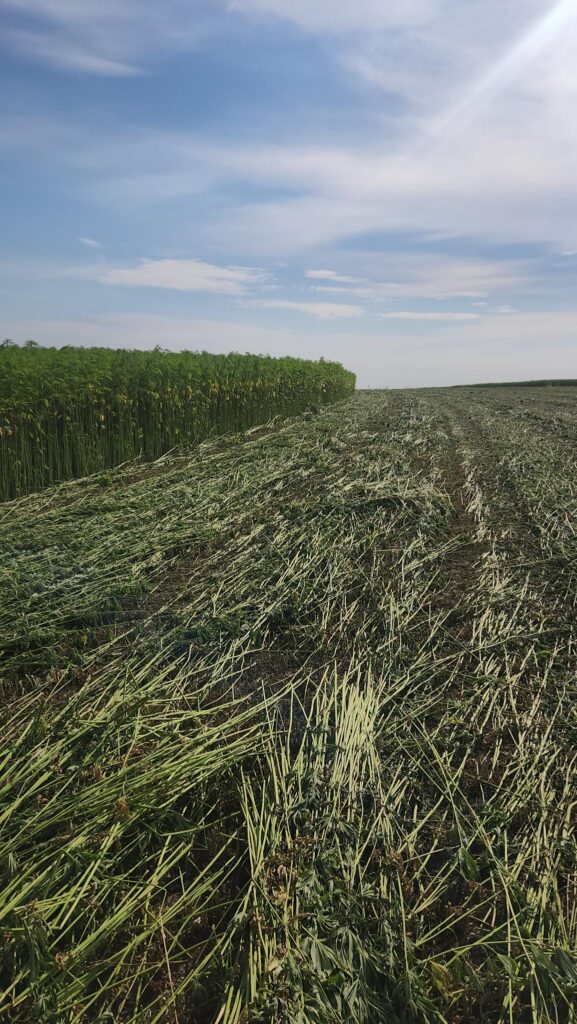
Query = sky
x=391 y=185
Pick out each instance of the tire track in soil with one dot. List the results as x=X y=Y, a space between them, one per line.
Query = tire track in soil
x=510 y=520
x=459 y=565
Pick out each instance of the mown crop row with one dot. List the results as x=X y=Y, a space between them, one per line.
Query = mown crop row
x=69 y=412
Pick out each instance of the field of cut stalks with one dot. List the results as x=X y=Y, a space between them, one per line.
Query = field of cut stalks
x=288 y=724
x=68 y=412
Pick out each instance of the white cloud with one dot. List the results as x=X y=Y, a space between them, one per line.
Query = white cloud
x=69 y=55
x=91 y=243
x=341 y=17
x=418 y=277
x=103 y=37
x=330 y=275
x=321 y=310
x=505 y=171
x=498 y=182
x=488 y=186
x=431 y=277
x=186 y=276
x=406 y=315
x=509 y=178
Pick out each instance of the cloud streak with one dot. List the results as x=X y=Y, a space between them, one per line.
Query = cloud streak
x=113 y=38
x=69 y=55
x=425 y=315
x=91 y=243
x=504 y=181
x=330 y=275
x=325 y=16
x=431 y=277
x=320 y=310
x=186 y=276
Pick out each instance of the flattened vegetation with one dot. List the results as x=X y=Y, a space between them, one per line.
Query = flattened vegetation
x=289 y=724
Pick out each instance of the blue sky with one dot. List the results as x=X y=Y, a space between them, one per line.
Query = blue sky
x=389 y=185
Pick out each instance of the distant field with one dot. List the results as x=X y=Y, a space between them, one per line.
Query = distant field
x=72 y=411
x=566 y=382
x=288 y=724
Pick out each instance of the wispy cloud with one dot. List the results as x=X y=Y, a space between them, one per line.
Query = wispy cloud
x=91 y=243
x=497 y=182
x=321 y=310
x=331 y=275
x=426 y=315
x=69 y=54
x=186 y=276
x=431 y=277
x=108 y=38
x=329 y=17
x=521 y=53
